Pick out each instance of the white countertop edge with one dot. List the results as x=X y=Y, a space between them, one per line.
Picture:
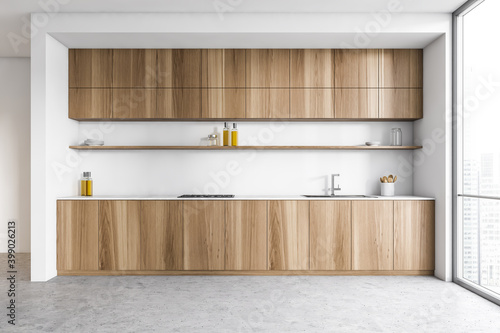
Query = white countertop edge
x=237 y=197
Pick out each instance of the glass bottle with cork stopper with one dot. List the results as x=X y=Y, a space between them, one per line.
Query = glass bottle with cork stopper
x=86 y=184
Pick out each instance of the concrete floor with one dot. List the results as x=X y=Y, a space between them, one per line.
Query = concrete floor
x=245 y=304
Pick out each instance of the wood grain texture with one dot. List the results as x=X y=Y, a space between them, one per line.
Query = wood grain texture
x=179 y=103
x=90 y=103
x=311 y=68
x=223 y=68
x=246 y=147
x=356 y=103
x=134 y=68
x=267 y=103
x=356 y=68
x=90 y=68
x=119 y=235
x=267 y=68
x=248 y=273
x=330 y=235
x=401 y=68
x=312 y=103
x=77 y=235
x=179 y=68
x=223 y=103
x=401 y=103
x=246 y=235
x=161 y=235
x=414 y=235
x=203 y=235
x=288 y=235
x=134 y=103
x=372 y=235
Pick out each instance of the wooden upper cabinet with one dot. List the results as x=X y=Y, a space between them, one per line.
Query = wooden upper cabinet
x=267 y=68
x=401 y=68
x=77 y=235
x=352 y=103
x=288 y=235
x=119 y=235
x=90 y=68
x=330 y=235
x=134 y=68
x=223 y=103
x=90 y=103
x=400 y=103
x=178 y=103
x=134 y=103
x=372 y=235
x=356 y=68
x=203 y=235
x=179 y=68
x=246 y=235
x=161 y=235
x=223 y=68
x=268 y=103
x=312 y=103
x=311 y=68
x=414 y=235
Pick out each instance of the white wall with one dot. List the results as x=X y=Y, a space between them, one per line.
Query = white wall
x=15 y=150
x=432 y=164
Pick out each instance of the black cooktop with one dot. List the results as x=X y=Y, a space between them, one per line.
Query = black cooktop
x=206 y=196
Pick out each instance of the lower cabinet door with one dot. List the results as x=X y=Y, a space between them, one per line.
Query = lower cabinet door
x=246 y=235
x=203 y=223
x=119 y=235
x=372 y=235
x=77 y=235
x=414 y=235
x=330 y=235
x=288 y=235
x=161 y=235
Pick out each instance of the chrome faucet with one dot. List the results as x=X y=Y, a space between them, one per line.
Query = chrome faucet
x=333 y=189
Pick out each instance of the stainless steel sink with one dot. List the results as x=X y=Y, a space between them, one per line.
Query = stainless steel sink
x=338 y=196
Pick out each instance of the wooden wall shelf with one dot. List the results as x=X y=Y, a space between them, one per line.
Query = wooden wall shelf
x=245 y=147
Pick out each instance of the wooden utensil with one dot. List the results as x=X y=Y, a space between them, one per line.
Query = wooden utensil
x=395 y=178
x=385 y=179
x=390 y=179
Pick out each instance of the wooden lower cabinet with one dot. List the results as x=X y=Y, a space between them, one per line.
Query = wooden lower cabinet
x=414 y=235
x=288 y=235
x=330 y=235
x=203 y=235
x=119 y=235
x=77 y=235
x=161 y=235
x=372 y=235
x=246 y=235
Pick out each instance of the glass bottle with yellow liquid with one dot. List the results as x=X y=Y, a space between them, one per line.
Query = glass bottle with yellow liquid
x=225 y=135
x=86 y=184
x=234 y=135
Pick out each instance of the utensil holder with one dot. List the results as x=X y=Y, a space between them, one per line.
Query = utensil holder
x=387 y=189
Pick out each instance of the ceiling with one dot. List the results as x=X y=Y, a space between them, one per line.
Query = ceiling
x=15 y=13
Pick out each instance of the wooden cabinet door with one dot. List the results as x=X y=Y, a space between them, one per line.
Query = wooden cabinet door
x=77 y=235
x=179 y=68
x=119 y=235
x=356 y=68
x=401 y=103
x=90 y=68
x=267 y=68
x=372 y=235
x=134 y=68
x=179 y=103
x=246 y=235
x=268 y=103
x=356 y=103
x=223 y=103
x=330 y=235
x=161 y=235
x=203 y=235
x=223 y=68
x=311 y=68
x=288 y=235
x=90 y=103
x=414 y=235
x=312 y=103
x=401 y=68
x=134 y=103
